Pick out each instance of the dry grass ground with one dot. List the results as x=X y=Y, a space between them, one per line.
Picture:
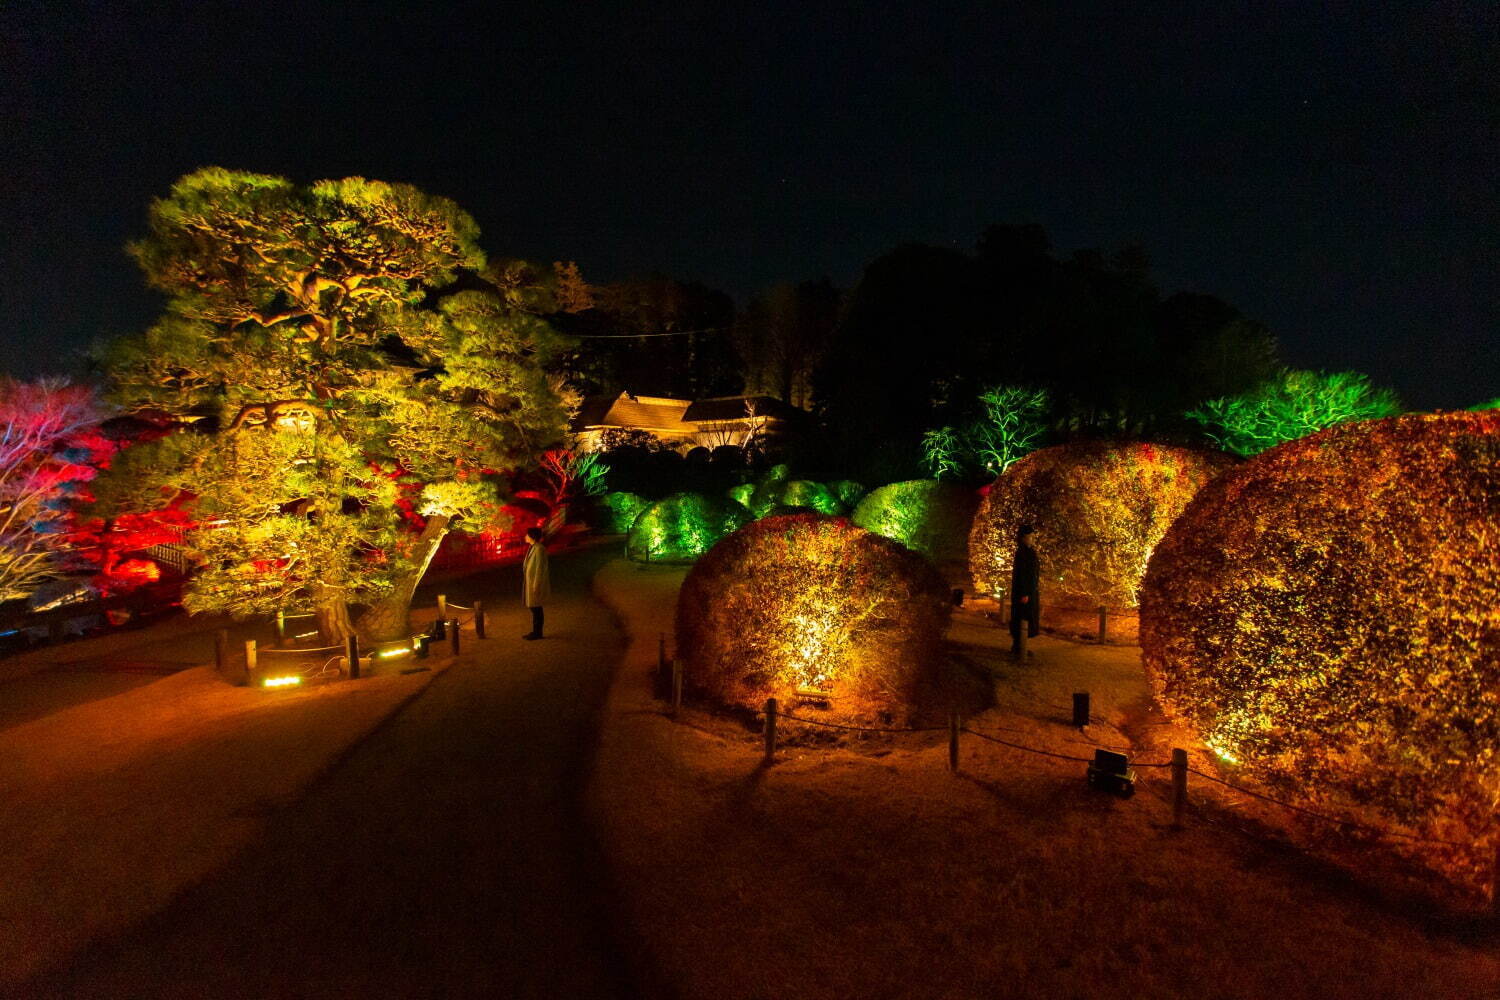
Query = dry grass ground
x=865 y=868
x=119 y=790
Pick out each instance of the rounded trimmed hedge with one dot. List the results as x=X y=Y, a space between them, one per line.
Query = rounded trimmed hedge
x=802 y=601
x=1328 y=616
x=682 y=527
x=618 y=511
x=810 y=495
x=847 y=492
x=1099 y=508
x=925 y=515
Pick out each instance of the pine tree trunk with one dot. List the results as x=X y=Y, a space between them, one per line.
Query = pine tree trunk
x=389 y=618
x=332 y=614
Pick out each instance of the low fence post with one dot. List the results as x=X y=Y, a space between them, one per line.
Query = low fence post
x=676 y=687
x=280 y=628
x=1179 y=786
x=479 y=619
x=1021 y=638
x=953 y=728
x=250 y=662
x=351 y=650
x=1103 y=622
x=770 y=730
x=1080 y=708
x=453 y=636
x=443 y=606
x=1495 y=879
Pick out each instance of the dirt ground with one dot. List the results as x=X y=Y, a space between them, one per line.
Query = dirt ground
x=866 y=868
x=121 y=788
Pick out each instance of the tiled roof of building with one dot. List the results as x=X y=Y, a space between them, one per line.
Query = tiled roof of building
x=652 y=413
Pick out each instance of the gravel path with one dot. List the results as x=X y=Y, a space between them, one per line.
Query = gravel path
x=447 y=856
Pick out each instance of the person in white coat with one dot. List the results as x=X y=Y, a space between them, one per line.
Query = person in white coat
x=536 y=581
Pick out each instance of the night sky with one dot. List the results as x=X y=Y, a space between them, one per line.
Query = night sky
x=1333 y=175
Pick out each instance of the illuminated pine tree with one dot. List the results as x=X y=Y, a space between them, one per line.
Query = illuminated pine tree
x=341 y=406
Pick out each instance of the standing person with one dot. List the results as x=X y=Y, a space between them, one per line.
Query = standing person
x=1025 y=587
x=536 y=580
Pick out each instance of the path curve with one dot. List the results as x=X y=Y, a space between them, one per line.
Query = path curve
x=448 y=855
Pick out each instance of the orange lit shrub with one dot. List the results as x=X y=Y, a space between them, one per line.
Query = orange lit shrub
x=1100 y=509
x=802 y=601
x=1328 y=616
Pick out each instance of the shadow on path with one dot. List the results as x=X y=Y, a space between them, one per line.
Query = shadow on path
x=446 y=856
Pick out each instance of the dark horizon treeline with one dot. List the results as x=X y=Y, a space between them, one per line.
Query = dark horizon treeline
x=922 y=333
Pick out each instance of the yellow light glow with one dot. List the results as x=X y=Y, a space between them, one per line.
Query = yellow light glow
x=1221 y=753
x=386 y=654
x=281 y=682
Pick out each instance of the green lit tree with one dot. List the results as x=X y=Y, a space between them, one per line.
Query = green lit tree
x=1012 y=423
x=1291 y=405
x=341 y=406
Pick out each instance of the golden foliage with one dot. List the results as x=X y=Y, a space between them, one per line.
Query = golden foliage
x=1328 y=615
x=1100 y=509
x=804 y=601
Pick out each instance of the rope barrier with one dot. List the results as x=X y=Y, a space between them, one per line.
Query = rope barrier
x=1019 y=746
x=457 y=607
x=861 y=729
x=295 y=652
x=1353 y=824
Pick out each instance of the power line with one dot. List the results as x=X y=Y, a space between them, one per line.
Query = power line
x=633 y=336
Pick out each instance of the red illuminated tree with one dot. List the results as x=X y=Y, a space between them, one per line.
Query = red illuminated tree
x=39 y=421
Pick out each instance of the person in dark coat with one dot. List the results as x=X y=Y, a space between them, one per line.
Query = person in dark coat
x=1025 y=588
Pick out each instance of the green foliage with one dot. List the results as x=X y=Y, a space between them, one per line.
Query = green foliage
x=1493 y=404
x=809 y=495
x=1292 y=405
x=621 y=511
x=682 y=527
x=1012 y=423
x=925 y=515
x=847 y=492
x=741 y=494
x=320 y=375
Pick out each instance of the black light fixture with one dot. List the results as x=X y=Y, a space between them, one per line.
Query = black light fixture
x=1111 y=772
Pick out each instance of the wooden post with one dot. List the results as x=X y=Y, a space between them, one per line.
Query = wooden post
x=1021 y=639
x=770 y=730
x=676 y=687
x=351 y=650
x=443 y=606
x=453 y=635
x=479 y=619
x=1495 y=881
x=1103 y=622
x=221 y=652
x=281 y=628
x=953 y=727
x=1080 y=708
x=1179 y=786
x=250 y=662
